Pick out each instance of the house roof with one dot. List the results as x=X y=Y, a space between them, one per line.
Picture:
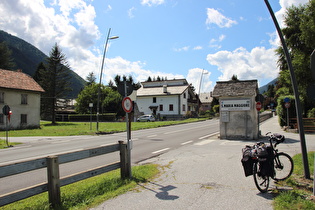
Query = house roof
x=158 y=91
x=235 y=88
x=205 y=98
x=19 y=81
x=160 y=88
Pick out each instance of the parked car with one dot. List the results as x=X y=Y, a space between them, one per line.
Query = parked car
x=146 y=118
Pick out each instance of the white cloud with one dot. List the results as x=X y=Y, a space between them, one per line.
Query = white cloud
x=196 y=77
x=215 y=17
x=197 y=48
x=73 y=28
x=185 y=48
x=285 y=4
x=257 y=63
x=152 y=2
x=130 y=12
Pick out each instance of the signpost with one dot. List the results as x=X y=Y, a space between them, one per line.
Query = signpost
x=128 y=107
x=91 y=106
x=258 y=108
x=7 y=112
x=287 y=106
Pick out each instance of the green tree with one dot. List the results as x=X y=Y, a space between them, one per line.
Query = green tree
x=298 y=31
x=55 y=81
x=6 y=61
x=90 y=79
x=110 y=100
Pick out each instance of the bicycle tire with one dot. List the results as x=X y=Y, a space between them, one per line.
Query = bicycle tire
x=285 y=169
x=261 y=182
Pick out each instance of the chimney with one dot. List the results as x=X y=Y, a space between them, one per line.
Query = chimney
x=164 y=88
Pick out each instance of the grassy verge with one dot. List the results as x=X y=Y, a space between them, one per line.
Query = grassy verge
x=77 y=128
x=301 y=196
x=3 y=144
x=90 y=192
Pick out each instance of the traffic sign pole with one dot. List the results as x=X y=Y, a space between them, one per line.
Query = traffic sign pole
x=125 y=106
x=258 y=108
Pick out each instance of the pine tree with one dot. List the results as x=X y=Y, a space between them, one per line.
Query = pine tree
x=55 y=81
x=6 y=62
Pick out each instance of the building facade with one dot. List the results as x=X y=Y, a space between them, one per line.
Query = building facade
x=238 y=114
x=22 y=94
x=167 y=99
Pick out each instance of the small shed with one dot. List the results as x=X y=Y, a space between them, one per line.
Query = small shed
x=238 y=114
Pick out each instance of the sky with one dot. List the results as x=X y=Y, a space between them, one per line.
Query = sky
x=203 y=41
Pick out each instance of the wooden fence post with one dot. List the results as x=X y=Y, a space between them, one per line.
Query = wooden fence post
x=123 y=160
x=53 y=181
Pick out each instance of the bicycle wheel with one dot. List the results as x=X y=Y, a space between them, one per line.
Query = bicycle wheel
x=261 y=182
x=283 y=164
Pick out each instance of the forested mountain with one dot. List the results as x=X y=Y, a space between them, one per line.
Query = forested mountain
x=27 y=57
x=265 y=87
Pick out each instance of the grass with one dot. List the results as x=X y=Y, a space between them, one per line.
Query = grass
x=90 y=192
x=83 y=128
x=3 y=144
x=301 y=196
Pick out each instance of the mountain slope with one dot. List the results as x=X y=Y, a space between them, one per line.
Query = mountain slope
x=265 y=87
x=27 y=57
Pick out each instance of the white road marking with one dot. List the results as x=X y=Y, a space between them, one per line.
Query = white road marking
x=187 y=142
x=152 y=136
x=212 y=134
x=204 y=142
x=162 y=150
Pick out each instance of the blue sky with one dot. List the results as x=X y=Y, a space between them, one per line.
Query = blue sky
x=166 y=38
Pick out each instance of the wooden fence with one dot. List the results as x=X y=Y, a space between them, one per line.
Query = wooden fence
x=52 y=164
x=308 y=124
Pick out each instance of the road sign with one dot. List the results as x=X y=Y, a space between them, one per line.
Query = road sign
x=286 y=100
x=258 y=106
x=6 y=110
x=127 y=104
x=121 y=88
x=287 y=105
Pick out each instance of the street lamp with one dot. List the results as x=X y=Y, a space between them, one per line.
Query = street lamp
x=99 y=87
x=202 y=73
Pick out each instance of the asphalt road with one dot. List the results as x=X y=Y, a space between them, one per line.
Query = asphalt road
x=146 y=144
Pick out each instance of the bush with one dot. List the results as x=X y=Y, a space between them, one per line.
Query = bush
x=216 y=108
x=311 y=113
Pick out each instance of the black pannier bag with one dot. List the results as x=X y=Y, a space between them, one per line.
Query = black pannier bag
x=247 y=160
x=266 y=163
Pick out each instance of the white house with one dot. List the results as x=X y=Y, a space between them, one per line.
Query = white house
x=167 y=99
x=22 y=94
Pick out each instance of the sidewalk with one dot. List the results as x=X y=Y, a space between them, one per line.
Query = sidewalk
x=205 y=177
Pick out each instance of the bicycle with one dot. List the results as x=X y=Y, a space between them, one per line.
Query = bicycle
x=266 y=162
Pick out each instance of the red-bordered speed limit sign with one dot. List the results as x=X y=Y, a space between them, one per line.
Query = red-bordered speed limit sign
x=127 y=104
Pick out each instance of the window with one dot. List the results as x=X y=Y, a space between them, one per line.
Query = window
x=184 y=95
x=23 y=98
x=171 y=108
x=161 y=107
x=154 y=99
x=184 y=107
x=23 y=118
x=1 y=97
x=1 y=118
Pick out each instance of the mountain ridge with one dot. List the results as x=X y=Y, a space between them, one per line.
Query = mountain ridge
x=27 y=57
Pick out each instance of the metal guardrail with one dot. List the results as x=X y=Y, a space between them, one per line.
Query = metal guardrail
x=52 y=164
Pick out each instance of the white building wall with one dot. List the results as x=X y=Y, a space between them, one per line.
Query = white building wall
x=145 y=102
x=12 y=98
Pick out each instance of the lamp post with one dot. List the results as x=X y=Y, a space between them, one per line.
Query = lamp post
x=99 y=86
x=202 y=73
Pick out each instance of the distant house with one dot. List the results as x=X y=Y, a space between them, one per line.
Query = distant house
x=167 y=99
x=205 y=100
x=22 y=94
